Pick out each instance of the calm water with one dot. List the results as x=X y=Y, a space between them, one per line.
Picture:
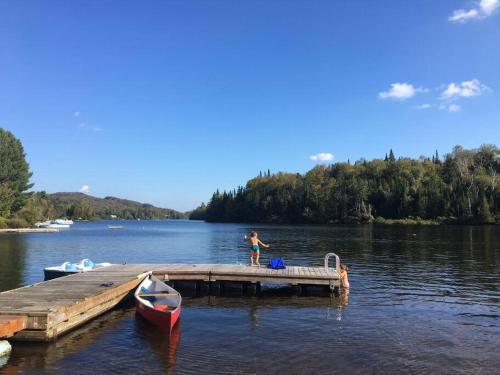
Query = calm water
x=422 y=299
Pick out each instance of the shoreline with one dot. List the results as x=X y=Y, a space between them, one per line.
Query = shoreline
x=392 y=222
x=28 y=230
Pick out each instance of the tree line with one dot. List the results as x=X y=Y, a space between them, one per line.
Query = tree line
x=461 y=187
x=21 y=208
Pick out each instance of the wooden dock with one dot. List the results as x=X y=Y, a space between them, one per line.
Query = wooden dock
x=43 y=311
x=56 y=306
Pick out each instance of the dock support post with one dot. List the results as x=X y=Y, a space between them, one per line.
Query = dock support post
x=252 y=289
x=215 y=288
x=297 y=289
x=186 y=287
x=203 y=288
x=233 y=288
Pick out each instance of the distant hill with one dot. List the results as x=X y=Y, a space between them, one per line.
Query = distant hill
x=83 y=206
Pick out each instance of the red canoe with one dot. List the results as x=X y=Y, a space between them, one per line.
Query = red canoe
x=158 y=303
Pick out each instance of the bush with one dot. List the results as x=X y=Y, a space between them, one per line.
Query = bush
x=409 y=221
x=3 y=223
x=17 y=223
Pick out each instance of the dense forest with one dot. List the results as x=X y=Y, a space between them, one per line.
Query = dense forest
x=461 y=187
x=42 y=206
x=21 y=208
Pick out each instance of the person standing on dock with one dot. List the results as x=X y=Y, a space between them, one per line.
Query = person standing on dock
x=255 y=250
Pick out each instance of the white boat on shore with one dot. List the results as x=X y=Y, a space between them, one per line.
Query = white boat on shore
x=63 y=222
x=55 y=224
x=58 y=226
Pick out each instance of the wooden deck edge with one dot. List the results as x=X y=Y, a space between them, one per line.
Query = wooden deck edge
x=66 y=326
x=11 y=324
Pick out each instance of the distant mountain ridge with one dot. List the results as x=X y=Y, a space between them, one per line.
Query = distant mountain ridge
x=82 y=206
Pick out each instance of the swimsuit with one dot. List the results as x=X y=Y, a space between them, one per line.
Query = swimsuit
x=255 y=248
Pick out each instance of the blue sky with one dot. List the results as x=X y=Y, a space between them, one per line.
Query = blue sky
x=166 y=101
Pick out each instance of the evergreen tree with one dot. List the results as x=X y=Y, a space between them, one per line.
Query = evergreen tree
x=14 y=174
x=392 y=159
x=436 y=157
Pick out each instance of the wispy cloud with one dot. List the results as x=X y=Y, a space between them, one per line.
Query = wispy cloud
x=93 y=128
x=482 y=9
x=85 y=189
x=322 y=156
x=424 y=106
x=466 y=89
x=76 y=114
x=450 y=107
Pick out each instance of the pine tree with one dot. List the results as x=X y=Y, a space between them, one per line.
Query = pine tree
x=14 y=174
x=392 y=158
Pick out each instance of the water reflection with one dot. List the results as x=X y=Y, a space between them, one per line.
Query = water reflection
x=429 y=294
x=46 y=356
x=13 y=253
x=163 y=345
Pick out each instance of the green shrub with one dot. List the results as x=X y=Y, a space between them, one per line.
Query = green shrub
x=17 y=223
x=3 y=223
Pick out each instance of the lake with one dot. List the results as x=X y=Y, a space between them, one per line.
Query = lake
x=423 y=299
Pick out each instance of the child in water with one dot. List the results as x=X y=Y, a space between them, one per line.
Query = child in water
x=254 y=240
x=343 y=276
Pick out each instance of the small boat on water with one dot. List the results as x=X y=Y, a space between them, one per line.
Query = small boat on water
x=68 y=268
x=115 y=226
x=158 y=303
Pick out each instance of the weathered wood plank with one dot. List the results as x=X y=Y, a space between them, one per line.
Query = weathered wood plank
x=10 y=324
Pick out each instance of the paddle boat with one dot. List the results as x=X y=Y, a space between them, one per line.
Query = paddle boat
x=5 y=350
x=68 y=268
x=158 y=303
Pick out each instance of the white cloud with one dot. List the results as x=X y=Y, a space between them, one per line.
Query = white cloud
x=424 y=106
x=489 y=6
x=85 y=126
x=461 y=15
x=322 y=156
x=483 y=9
x=76 y=114
x=399 y=91
x=466 y=89
x=85 y=189
x=454 y=108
